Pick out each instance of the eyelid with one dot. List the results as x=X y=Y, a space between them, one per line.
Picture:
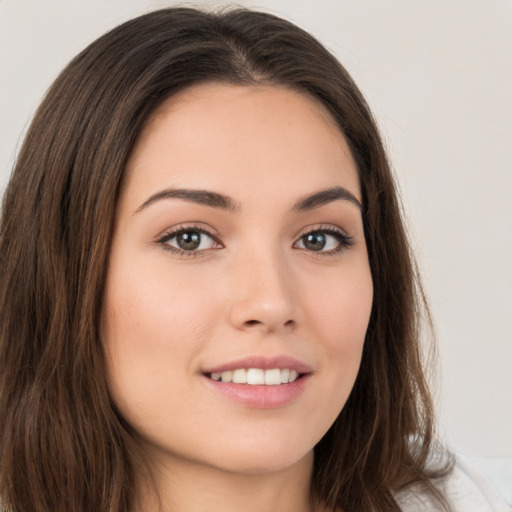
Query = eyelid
x=327 y=228
x=345 y=240
x=173 y=231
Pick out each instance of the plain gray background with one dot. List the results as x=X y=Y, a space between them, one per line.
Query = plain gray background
x=438 y=75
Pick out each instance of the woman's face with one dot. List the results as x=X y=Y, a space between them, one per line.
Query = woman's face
x=238 y=264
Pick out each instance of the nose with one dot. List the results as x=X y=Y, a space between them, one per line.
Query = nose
x=263 y=297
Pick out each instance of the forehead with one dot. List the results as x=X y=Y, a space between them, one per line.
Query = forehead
x=236 y=138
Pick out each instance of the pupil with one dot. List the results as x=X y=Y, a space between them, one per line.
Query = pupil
x=189 y=240
x=315 y=241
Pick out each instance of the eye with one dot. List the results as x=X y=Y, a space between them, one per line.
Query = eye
x=329 y=241
x=188 y=240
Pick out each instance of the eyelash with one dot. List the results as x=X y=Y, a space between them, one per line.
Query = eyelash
x=344 y=240
x=169 y=235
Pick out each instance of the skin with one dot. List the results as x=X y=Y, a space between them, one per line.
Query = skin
x=255 y=289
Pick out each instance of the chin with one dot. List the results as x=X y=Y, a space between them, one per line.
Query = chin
x=274 y=462
x=263 y=457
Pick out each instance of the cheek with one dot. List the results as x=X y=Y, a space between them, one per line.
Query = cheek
x=154 y=309
x=341 y=307
x=153 y=329
x=340 y=313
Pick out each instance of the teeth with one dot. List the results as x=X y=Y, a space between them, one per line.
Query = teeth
x=240 y=376
x=226 y=376
x=273 y=377
x=257 y=376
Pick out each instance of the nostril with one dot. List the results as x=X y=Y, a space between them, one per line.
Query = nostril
x=253 y=322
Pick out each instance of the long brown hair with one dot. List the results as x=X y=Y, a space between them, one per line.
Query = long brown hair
x=63 y=447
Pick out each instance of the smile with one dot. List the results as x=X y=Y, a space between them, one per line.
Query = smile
x=257 y=376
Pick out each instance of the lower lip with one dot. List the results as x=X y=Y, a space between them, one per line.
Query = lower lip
x=260 y=397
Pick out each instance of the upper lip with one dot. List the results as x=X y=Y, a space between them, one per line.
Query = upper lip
x=263 y=362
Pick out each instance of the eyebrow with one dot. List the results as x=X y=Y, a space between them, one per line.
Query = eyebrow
x=328 y=195
x=217 y=200
x=203 y=197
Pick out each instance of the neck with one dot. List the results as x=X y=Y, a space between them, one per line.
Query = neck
x=185 y=486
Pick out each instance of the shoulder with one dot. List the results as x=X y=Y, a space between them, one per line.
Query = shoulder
x=465 y=488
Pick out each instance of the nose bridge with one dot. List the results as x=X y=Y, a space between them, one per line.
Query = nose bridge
x=262 y=290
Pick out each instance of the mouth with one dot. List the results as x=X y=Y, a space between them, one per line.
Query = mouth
x=257 y=376
x=260 y=382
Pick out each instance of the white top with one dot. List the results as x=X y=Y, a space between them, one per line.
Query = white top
x=466 y=489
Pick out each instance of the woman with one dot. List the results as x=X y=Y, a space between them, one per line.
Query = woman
x=207 y=293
